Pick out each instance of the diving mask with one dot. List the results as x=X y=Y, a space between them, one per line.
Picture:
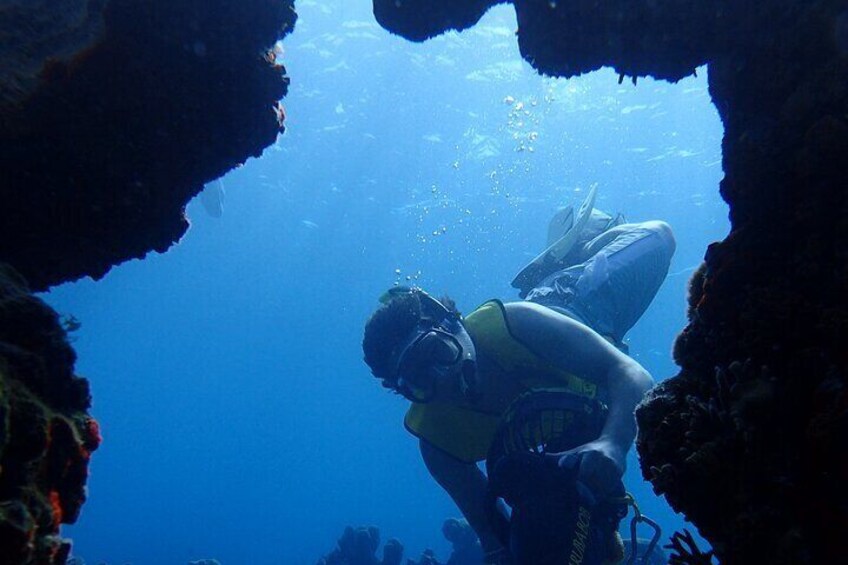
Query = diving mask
x=430 y=354
x=433 y=349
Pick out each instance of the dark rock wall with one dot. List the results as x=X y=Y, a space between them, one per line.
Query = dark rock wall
x=108 y=131
x=113 y=114
x=758 y=417
x=46 y=433
x=34 y=31
x=418 y=20
x=749 y=440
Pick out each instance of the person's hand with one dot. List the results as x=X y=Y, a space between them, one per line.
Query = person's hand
x=599 y=465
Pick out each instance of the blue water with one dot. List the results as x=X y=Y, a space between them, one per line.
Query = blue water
x=239 y=421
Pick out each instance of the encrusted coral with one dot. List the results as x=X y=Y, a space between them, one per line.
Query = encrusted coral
x=757 y=417
x=358 y=546
x=466 y=547
x=114 y=114
x=46 y=433
x=666 y=40
x=63 y=28
x=418 y=20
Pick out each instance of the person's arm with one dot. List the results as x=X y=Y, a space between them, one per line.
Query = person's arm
x=581 y=351
x=466 y=485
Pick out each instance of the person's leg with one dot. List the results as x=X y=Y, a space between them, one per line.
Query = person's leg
x=613 y=287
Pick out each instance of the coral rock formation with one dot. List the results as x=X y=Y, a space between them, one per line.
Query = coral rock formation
x=114 y=114
x=570 y=38
x=757 y=417
x=358 y=546
x=46 y=433
x=466 y=549
x=749 y=439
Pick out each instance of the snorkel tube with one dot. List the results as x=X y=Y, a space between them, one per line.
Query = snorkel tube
x=469 y=383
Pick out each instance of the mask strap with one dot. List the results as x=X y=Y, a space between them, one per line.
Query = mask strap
x=469 y=383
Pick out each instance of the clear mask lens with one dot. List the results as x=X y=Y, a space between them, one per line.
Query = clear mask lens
x=424 y=360
x=439 y=348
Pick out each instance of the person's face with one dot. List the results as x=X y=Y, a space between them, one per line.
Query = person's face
x=436 y=364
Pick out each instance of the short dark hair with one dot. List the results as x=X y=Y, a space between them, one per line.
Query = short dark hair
x=387 y=327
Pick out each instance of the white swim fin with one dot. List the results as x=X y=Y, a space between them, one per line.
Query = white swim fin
x=212 y=198
x=562 y=221
x=558 y=249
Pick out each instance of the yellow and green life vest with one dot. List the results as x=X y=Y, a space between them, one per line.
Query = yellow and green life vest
x=466 y=433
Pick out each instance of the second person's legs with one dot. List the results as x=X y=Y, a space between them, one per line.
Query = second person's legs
x=613 y=287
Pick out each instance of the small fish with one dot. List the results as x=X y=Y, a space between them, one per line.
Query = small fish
x=685 y=271
x=635 y=108
x=212 y=198
x=70 y=323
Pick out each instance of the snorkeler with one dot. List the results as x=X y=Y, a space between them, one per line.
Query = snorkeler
x=541 y=389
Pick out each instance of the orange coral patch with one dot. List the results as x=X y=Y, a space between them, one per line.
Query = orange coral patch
x=56 y=507
x=94 y=432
